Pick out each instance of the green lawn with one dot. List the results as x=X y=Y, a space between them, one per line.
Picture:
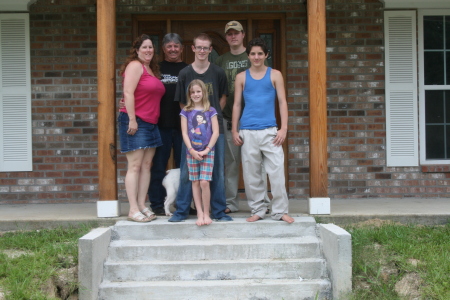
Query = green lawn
x=30 y=260
x=391 y=259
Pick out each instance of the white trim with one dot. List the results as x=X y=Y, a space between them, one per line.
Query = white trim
x=421 y=13
x=319 y=206
x=108 y=209
x=390 y=4
x=15 y=5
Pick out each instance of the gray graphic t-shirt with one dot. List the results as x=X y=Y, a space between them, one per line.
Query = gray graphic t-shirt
x=232 y=65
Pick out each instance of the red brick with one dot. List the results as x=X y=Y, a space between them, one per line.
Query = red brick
x=90 y=173
x=45 y=167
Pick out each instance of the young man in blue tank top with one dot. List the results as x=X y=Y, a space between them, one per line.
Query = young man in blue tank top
x=233 y=62
x=258 y=135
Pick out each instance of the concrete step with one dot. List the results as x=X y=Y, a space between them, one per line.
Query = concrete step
x=215 y=249
x=239 y=228
x=286 y=289
x=308 y=268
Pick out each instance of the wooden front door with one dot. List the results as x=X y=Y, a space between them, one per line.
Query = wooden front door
x=269 y=27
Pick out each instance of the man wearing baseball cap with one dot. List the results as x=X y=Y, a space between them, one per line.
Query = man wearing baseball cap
x=233 y=63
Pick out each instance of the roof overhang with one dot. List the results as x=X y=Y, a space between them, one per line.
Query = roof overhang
x=416 y=3
x=15 y=5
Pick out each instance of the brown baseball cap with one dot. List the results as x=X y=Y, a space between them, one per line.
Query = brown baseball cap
x=233 y=25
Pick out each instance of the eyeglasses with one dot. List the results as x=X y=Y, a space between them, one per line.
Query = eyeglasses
x=198 y=48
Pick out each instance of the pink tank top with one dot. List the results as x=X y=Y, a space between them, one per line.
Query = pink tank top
x=147 y=97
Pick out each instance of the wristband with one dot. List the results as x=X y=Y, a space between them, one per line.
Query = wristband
x=189 y=150
x=208 y=148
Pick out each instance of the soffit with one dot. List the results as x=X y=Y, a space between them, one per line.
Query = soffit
x=15 y=5
x=416 y=3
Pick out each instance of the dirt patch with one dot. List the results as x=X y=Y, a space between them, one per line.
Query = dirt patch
x=409 y=287
x=66 y=281
x=414 y=262
x=11 y=253
x=2 y=294
x=375 y=223
x=63 y=285
x=49 y=289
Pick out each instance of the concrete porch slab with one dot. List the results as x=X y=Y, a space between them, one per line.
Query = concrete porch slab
x=343 y=211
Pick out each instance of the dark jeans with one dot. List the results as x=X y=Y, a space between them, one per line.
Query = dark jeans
x=171 y=138
x=218 y=201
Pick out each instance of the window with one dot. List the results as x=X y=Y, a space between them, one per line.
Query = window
x=15 y=94
x=434 y=86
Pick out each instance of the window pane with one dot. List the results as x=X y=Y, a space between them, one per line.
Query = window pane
x=447 y=32
x=434 y=68
x=434 y=107
x=433 y=32
x=447 y=67
x=447 y=108
x=435 y=141
x=448 y=142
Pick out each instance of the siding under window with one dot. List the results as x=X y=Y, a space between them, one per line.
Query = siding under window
x=15 y=94
x=401 y=89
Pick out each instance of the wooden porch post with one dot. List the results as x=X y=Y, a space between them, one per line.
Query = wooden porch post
x=108 y=205
x=319 y=203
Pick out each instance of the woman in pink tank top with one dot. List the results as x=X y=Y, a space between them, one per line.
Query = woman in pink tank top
x=138 y=129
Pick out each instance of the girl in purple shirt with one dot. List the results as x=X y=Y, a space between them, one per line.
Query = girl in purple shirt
x=200 y=130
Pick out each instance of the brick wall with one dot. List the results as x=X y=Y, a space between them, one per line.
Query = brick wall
x=64 y=107
x=64 y=100
x=356 y=116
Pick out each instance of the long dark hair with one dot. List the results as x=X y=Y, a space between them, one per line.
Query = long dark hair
x=137 y=43
x=202 y=114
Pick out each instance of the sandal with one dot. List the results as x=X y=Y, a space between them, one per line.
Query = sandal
x=149 y=214
x=138 y=217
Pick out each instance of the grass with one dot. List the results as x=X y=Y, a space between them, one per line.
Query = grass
x=29 y=259
x=388 y=258
x=384 y=254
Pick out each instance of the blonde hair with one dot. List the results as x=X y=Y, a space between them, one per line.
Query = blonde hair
x=205 y=101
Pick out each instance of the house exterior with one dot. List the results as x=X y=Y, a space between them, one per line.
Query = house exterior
x=387 y=91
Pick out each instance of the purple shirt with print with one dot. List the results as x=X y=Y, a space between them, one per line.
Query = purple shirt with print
x=199 y=127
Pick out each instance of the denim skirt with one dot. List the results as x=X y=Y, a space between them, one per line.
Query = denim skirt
x=147 y=135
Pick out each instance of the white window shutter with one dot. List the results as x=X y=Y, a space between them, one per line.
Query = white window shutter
x=401 y=89
x=15 y=94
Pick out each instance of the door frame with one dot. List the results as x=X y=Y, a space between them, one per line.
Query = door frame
x=248 y=17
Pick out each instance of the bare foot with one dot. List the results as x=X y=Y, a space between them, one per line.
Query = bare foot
x=200 y=221
x=253 y=218
x=287 y=218
x=207 y=220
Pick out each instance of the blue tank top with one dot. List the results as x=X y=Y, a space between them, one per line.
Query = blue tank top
x=259 y=95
